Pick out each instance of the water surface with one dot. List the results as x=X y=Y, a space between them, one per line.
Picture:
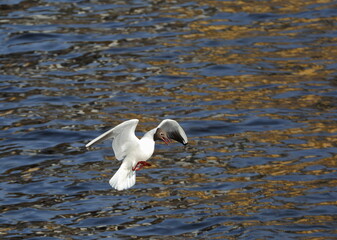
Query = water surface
x=253 y=83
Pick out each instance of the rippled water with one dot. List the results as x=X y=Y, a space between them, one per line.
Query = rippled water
x=253 y=83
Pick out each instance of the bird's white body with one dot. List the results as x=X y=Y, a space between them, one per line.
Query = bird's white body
x=131 y=150
x=140 y=150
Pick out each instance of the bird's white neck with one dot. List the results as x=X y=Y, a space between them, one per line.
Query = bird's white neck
x=147 y=143
x=149 y=135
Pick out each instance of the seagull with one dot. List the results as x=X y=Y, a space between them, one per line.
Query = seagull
x=134 y=152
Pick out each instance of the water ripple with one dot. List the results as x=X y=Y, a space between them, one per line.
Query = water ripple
x=252 y=84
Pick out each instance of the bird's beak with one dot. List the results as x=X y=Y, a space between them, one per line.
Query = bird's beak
x=166 y=140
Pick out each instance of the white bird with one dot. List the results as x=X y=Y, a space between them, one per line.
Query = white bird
x=134 y=152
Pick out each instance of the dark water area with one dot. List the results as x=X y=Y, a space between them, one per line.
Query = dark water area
x=253 y=83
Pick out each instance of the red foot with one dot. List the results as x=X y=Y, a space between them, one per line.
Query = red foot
x=140 y=165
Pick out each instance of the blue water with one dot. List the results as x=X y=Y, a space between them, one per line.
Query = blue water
x=252 y=83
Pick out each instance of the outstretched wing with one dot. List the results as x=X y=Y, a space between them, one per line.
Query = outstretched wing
x=123 y=137
x=174 y=130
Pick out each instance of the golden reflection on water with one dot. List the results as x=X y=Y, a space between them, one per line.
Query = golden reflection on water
x=281 y=70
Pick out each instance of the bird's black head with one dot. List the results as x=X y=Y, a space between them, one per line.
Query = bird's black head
x=160 y=134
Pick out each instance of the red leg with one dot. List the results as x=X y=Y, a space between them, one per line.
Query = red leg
x=140 y=165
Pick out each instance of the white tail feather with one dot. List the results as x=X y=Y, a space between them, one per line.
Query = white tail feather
x=124 y=178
